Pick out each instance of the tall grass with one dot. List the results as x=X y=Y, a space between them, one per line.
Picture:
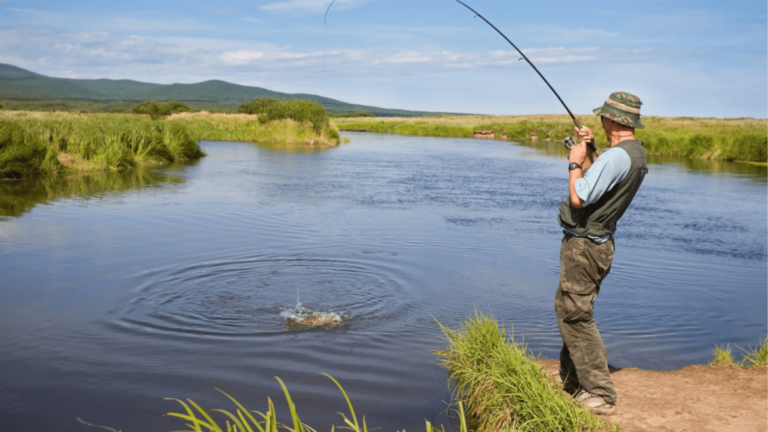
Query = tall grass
x=757 y=356
x=31 y=144
x=242 y=127
x=503 y=388
x=717 y=139
x=722 y=355
x=269 y=109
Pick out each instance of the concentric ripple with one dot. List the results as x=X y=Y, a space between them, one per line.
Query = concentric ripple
x=249 y=296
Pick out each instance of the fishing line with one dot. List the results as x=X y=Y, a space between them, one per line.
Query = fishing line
x=325 y=47
x=575 y=120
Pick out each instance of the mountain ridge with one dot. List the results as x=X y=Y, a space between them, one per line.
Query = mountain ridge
x=22 y=85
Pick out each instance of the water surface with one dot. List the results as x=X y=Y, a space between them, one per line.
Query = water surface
x=120 y=290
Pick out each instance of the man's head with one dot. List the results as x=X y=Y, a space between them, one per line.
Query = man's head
x=621 y=108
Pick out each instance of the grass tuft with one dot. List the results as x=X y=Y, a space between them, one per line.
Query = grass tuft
x=757 y=356
x=722 y=355
x=502 y=386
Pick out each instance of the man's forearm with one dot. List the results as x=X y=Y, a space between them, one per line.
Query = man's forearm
x=576 y=202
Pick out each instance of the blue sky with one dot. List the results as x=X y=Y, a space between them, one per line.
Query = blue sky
x=683 y=58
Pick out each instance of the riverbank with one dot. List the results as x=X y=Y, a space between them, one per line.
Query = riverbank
x=503 y=385
x=717 y=139
x=34 y=144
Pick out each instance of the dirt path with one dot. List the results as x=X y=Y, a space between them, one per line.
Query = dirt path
x=693 y=399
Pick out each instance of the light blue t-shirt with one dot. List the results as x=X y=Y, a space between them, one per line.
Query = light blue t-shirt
x=606 y=172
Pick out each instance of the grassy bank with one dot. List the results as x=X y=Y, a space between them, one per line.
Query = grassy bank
x=244 y=127
x=717 y=139
x=34 y=144
x=502 y=386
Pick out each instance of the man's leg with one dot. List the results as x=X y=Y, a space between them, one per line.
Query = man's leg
x=584 y=264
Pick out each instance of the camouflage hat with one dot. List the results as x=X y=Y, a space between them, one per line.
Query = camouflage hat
x=623 y=108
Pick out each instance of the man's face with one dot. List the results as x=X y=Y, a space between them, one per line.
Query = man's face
x=606 y=126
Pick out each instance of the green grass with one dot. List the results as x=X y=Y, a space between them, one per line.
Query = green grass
x=31 y=143
x=242 y=127
x=241 y=419
x=301 y=111
x=722 y=355
x=502 y=386
x=716 y=139
x=757 y=356
x=35 y=144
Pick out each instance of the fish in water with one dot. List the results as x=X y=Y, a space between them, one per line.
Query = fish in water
x=299 y=318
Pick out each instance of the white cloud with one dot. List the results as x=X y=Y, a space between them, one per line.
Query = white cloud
x=459 y=81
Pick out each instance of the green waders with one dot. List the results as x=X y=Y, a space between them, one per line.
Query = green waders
x=583 y=266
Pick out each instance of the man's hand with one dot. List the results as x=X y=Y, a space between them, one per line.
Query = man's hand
x=585 y=134
x=578 y=153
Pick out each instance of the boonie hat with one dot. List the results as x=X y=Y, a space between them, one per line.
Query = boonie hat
x=623 y=108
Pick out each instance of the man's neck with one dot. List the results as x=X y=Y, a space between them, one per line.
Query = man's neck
x=621 y=136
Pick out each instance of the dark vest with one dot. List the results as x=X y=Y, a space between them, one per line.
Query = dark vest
x=599 y=219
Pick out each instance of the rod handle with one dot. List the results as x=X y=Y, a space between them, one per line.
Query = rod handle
x=590 y=143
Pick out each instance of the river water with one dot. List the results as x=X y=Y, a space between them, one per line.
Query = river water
x=119 y=290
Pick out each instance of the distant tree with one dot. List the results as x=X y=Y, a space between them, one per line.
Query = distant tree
x=2 y=106
x=158 y=110
x=258 y=106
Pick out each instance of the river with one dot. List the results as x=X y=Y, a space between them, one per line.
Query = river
x=118 y=290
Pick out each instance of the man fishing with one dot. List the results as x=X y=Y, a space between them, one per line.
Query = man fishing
x=600 y=190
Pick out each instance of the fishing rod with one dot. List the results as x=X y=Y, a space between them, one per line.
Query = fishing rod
x=569 y=143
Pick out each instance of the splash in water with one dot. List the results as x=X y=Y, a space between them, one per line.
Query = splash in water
x=300 y=318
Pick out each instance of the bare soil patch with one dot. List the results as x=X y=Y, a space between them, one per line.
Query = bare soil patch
x=693 y=399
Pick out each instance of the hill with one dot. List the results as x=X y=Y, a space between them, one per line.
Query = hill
x=20 y=88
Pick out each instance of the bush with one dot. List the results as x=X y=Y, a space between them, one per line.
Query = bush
x=257 y=106
x=269 y=109
x=158 y=110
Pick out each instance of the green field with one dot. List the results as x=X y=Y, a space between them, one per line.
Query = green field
x=34 y=144
x=716 y=139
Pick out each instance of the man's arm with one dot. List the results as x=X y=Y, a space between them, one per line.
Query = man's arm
x=578 y=155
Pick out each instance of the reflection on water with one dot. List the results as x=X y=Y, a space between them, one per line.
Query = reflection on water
x=19 y=197
x=294 y=148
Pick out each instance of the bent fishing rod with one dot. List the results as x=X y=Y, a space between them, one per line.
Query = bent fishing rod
x=569 y=143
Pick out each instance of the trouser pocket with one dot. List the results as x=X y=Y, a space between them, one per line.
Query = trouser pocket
x=583 y=266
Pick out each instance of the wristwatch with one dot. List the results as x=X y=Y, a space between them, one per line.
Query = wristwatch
x=573 y=165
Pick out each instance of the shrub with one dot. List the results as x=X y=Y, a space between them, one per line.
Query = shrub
x=269 y=109
x=257 y=106
x=158 y=110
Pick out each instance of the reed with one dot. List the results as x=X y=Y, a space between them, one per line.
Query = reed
x=744 y=139
x=502 y=386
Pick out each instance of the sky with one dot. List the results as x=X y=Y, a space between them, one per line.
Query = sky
x=682 y=58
